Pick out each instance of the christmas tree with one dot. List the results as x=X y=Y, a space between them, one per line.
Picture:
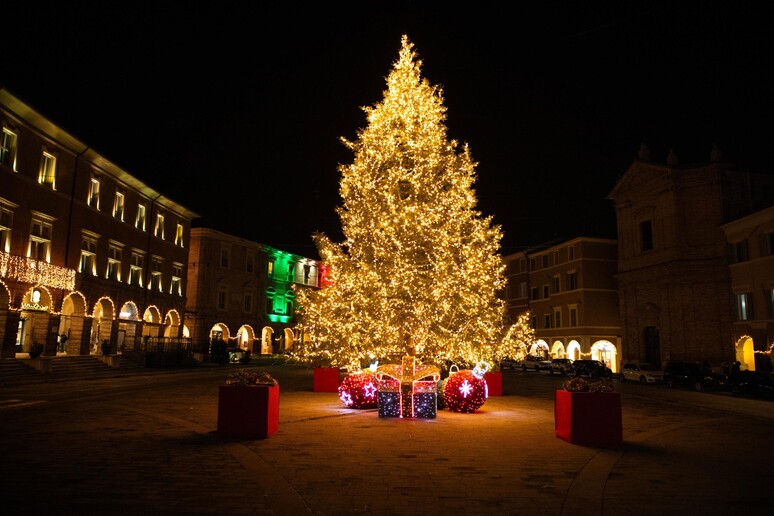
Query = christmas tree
x=418 y=271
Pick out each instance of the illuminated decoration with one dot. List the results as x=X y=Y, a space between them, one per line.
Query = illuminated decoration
x=279 y=318
x=419 y=270
x=359 y=390
x=464 y=391
x=37 y=272
x=408 y=390
x=480 y=370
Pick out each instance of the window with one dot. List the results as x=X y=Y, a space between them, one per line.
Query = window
x=40 y=241
x=573 y=316
x=770 y=299
x=533 y=322
x=158 y=229
x=571 y=252
x=93 y=199
x=557 y=318
x=546 y=291
x=557 y=284
x=248 y=302
x=532 y=264
x=545 y=261
x=88 y=263
x=571 y=280
x=546 y=320
x=176 y=286
x=225 y=256
x=556 y=257
x=135 y=269
x=156 y=276
x=522 y=264
x=179 y=235
x=115 y=252
x=222 y=295
x=744 y=311
x=534 y=293
x=250 y=262
x=6 y=223
x=523 y=289
x=47 y=169
x=770 y=241
x=8 y=148
x=139 y=221
x=738 y=251
x=646 y=235
x=118 y=206
x=271 y=267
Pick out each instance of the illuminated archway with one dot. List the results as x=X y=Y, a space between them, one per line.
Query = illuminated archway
x=289 y=338
x=604 y=351
x=5 y=296
x=557 y=350
x=745 y=353
x=71 y=323
x=172 y=323
x=245 y=337
x=574 y=350
x=152 y=315
x=539 y=348
x=267 y=334
x=103 y=314
x=219 y=331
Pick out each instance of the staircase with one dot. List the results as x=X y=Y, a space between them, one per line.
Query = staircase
x=14 y=371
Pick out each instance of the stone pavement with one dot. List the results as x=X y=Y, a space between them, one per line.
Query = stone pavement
x=146 y=444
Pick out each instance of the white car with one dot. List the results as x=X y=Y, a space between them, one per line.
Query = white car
x=641 y=372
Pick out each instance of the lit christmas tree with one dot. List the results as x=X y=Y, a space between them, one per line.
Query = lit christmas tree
x=419 y=270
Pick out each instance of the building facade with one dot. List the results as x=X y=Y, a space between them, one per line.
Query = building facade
x=570 y=289
x=674 y=278
x=87 y=250
x=750 y=244
x=242 y=292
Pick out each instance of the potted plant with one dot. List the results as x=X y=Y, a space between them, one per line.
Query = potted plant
x=588 y=413
x=248 y=405
x=36 y=350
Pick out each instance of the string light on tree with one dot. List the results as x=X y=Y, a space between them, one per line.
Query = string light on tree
x=418 y=271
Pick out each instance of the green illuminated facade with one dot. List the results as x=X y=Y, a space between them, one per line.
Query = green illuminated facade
x=243 y=292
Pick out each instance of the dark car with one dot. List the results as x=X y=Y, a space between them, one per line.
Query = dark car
x=693 y=375
x=590 y=369
x=756 y=384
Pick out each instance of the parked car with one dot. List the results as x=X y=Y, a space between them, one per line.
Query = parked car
x=534 y=362
x=591 y=369
x=693 y=375
x=509 y=363
x=756 y=384
x=560 y=365
x=641 y=372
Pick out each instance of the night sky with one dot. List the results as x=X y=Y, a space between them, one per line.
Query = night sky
x=236 y=112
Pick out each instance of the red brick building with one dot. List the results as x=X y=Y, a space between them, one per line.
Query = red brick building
x=87 y=250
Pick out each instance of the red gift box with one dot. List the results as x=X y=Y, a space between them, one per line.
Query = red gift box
x=592 y=418
x=249 y=412
x=326 y=379
x=494 y=383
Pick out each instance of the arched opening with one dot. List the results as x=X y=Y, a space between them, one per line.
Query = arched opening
x=604 y=351
x=745 y=353
x=557 y=350
x=574 y=350
x=267 y=335
x=540 y=349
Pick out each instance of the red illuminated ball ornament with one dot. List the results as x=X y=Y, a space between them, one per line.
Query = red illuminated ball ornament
x=465 y=391
x=359 y=390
